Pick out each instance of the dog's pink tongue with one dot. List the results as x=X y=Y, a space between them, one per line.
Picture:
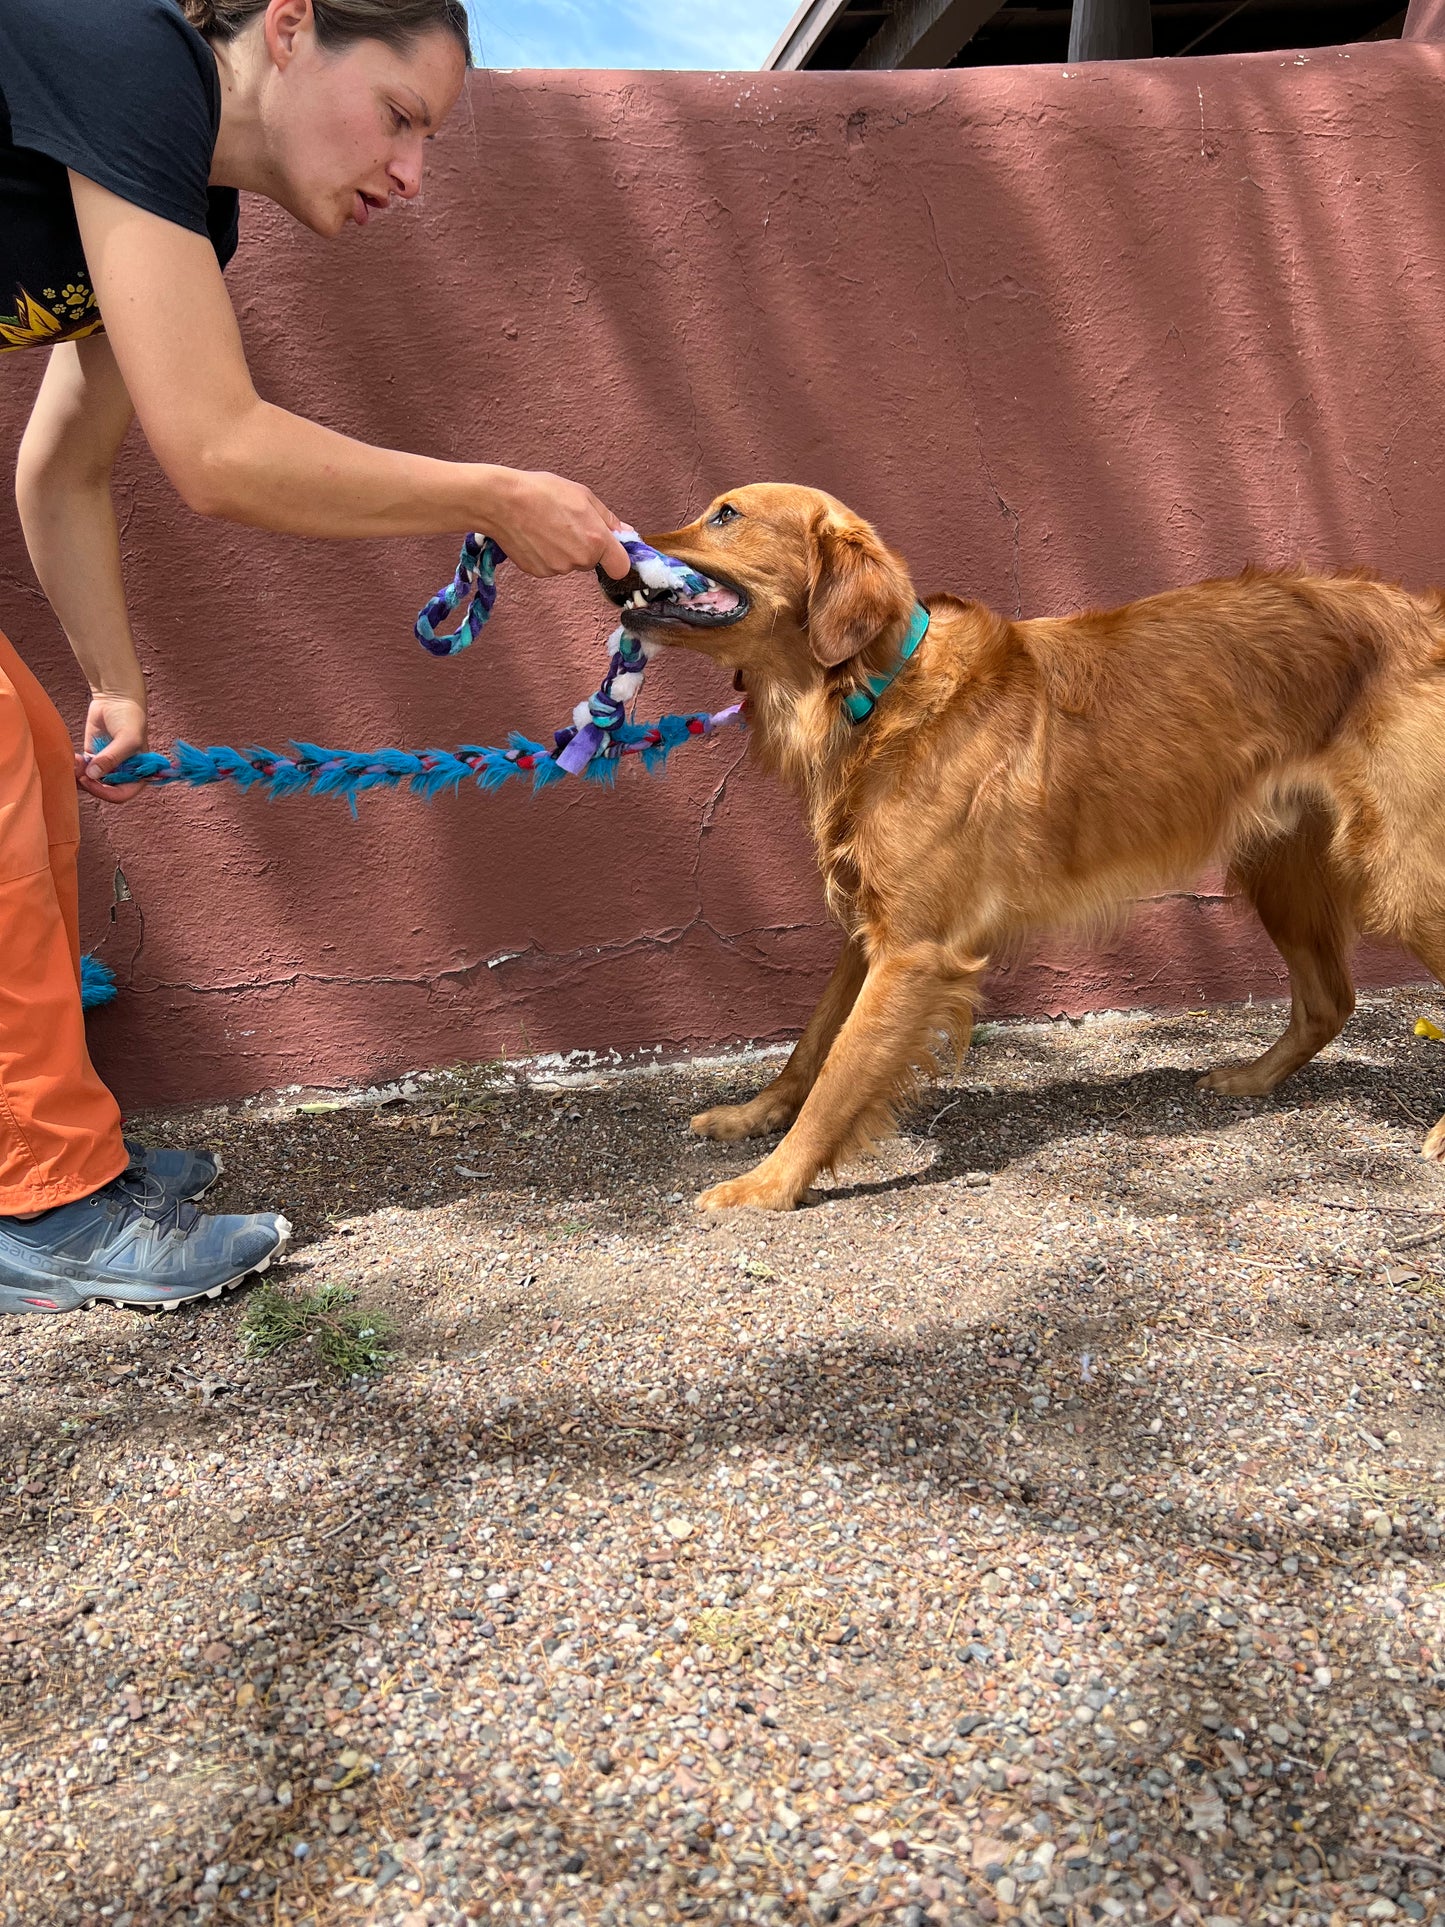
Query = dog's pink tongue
x=718 y=602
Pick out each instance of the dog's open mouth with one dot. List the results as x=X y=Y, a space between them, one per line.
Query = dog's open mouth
x=711 y=607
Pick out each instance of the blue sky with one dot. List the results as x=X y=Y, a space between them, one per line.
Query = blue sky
x=628 y=33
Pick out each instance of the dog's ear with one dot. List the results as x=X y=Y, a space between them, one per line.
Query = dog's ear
x=858 y=590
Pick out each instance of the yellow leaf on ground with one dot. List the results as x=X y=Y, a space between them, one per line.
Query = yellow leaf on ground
x=1424 y=1028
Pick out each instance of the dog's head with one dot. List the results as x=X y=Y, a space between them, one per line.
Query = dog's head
x=800 y=586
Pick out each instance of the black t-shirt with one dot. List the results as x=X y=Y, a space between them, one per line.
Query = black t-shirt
x=126 y=93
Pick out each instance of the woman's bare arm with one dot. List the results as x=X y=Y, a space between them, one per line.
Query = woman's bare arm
x=232 y=455
x=62 y=489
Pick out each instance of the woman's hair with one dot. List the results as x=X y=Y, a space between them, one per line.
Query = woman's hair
x=398 y=23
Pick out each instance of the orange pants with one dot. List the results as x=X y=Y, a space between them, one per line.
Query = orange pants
x=59 y=1126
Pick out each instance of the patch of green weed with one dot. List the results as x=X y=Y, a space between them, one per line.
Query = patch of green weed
x=351 y=1341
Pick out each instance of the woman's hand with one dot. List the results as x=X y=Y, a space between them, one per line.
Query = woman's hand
x=120 y=723
x=548 y=526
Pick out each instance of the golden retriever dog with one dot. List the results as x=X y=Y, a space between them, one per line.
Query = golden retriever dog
x=1016 y=775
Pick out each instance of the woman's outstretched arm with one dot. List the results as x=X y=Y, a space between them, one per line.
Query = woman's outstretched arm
x=234 y=456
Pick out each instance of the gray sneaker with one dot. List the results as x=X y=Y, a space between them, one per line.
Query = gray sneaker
x=130 y=1244
x=180 y=1174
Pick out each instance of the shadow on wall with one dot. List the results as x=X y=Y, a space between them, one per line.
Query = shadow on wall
x=1066 y=337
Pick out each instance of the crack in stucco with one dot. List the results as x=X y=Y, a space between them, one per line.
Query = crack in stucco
x=714 y=802
x=20 y=586
x=585 y=957
x=1376 y=481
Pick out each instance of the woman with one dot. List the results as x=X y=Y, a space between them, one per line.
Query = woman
x=127 y=128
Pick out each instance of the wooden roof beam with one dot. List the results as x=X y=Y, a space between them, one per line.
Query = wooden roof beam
x=925 y=33
x=808 y=28
x=914 y=33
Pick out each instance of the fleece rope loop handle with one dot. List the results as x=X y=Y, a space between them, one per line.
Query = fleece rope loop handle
x=475 y=584
x=598 y=737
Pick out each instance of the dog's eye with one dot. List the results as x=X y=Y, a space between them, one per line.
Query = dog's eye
x=727 y=513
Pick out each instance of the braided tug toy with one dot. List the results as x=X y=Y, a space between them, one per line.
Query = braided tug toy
x=592 y=746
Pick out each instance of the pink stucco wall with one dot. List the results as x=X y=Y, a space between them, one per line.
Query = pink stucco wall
x=1066 y=336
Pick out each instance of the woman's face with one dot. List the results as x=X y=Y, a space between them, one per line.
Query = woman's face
x=346 y=129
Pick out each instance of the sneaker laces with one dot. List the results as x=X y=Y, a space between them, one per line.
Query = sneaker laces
x=147 y=1195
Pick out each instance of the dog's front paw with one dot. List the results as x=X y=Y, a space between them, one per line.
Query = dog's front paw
x=761 y=1191
x=1236 y=1080
x=730 y=1123
x=1434 y=1146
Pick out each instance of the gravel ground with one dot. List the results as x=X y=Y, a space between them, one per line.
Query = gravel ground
x=1046 y=1525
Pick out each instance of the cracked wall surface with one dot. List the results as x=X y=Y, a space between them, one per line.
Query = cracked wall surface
x=1066 y=336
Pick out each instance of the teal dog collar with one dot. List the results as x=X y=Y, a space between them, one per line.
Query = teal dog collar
x=861 y=704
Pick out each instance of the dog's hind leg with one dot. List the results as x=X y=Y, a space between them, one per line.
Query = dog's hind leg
x=913 y=1006
x=775 y=1106
x=1287 y=880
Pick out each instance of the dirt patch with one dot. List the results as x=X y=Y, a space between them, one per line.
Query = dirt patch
x=1045 y=1524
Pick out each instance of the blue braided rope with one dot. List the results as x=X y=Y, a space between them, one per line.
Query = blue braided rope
x=97 y=983
x=311 y=769
x=592 y=751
